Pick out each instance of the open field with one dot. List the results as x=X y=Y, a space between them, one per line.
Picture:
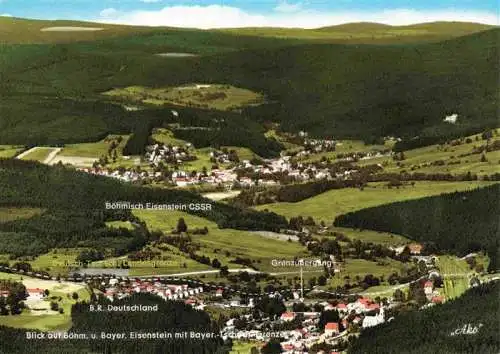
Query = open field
x=171 y=261
x=383 y=238
x=85 y=154
x=457 y=282
x=353 y=268
x=9 y=214
x=57 y=261
x=94 y=150
x=242 y=152
x=74 y=160
x=221 y=97
x=45 y=319
x=328 y=205
x=8 y=151
x=218 y=196
x=38 y=153
x=226 y=244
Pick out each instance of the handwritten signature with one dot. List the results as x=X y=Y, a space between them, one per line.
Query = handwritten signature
x=466 y=329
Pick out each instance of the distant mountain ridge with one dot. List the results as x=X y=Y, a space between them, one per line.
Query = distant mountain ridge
x=20 y=30
x=398 y=85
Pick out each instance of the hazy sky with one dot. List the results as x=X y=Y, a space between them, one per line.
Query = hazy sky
x=239 y=13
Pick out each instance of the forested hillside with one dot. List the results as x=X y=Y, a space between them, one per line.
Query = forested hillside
x=363 y=91
x=430 y=331
x=459 y=222
x=171 y=317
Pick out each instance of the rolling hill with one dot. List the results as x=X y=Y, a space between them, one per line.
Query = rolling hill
x=345 y=90
x=369 y=33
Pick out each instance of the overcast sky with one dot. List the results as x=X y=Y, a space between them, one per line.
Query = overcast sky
x=255 y=13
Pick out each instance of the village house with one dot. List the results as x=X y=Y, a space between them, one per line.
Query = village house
x=428 y=288
x=415 y=248
x=288 y=316
x=341 y=308
x=437 y=299
x=371 y=321
x=35 y=294
x=331 y=329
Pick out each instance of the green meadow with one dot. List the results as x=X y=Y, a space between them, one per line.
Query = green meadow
x=328 y=205
x=226 y=244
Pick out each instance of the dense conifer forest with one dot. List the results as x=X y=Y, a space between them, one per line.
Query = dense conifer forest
x=74 y=209
x=369 y=91
x=459 y=222
x=430 y=331
x=170 y=317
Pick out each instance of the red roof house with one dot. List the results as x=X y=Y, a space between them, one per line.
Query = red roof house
x=332 y=328
x=288 y=316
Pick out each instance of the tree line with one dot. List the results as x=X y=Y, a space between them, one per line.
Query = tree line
x=75 y=211
x=171 y=317
x=460 y=222
x=430 y=331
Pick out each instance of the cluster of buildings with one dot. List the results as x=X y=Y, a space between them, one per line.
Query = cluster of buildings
x=319 y=145
x=223 y=157
x=129 y=175
x=167 y=153
x=121 y=289
x=362 y=313
x=244 y=174
x=431 y=293
x=33 y=293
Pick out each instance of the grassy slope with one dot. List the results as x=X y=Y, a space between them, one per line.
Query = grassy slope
x=238 y=243
x=39 y=154
x=455 y=285
x=328 y=205
x=361 y=267
x=383 y=238
x=96 y=149
x=8 y=151
x=348 y=146
x=431 y=153
x=52 y=322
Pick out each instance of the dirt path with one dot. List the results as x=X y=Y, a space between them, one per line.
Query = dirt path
x=52 y=155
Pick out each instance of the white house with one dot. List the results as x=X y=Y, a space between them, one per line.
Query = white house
x=371 y=321
x=35 y=294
